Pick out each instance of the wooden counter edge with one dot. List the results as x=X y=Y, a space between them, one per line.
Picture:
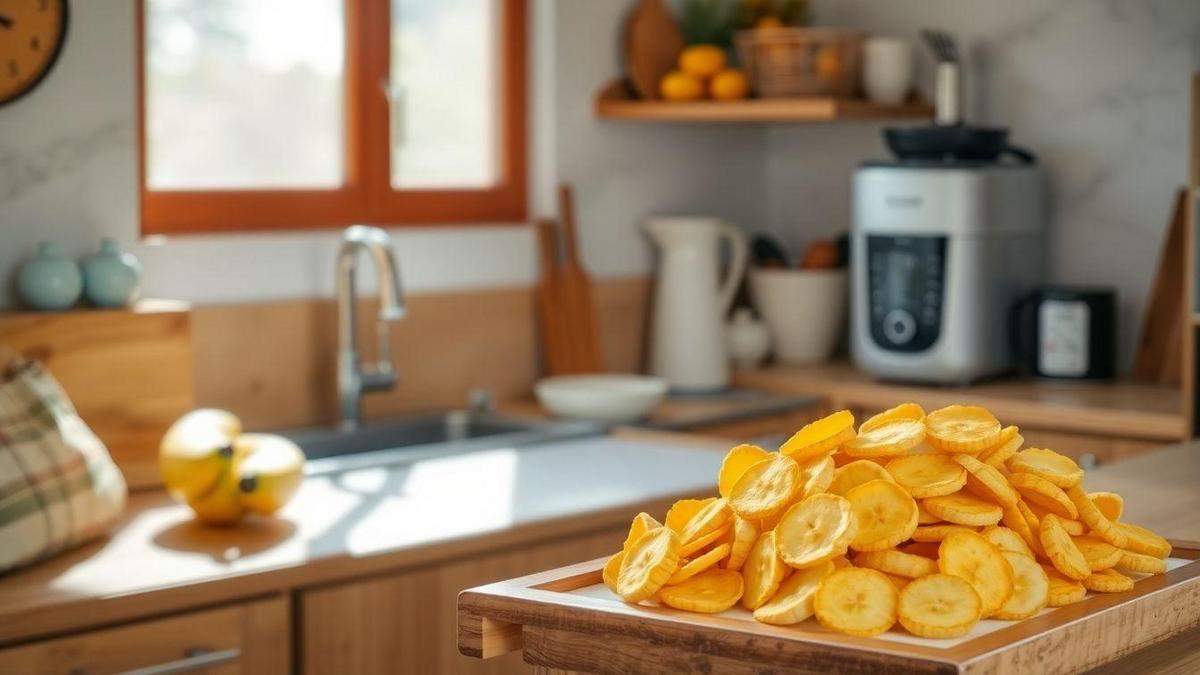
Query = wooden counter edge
x=18 y=625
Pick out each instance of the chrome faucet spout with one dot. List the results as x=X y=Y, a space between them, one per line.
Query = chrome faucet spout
x=353 y=378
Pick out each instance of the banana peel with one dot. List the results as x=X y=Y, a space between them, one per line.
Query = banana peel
x=223 y=474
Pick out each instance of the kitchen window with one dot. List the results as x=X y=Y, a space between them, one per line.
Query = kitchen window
x=294 y=114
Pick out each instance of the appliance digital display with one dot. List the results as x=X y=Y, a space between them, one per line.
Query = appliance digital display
x=902 y=276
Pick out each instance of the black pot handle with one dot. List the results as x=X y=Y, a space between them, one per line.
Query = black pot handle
x=1022 y=327
x=1023 y=155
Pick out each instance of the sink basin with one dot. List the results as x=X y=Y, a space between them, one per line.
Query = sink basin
x=407 y=439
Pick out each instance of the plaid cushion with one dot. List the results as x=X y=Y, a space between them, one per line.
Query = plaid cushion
x=58 y=485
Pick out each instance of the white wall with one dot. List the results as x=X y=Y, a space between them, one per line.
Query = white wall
x=68 y=174
x=1097 y=88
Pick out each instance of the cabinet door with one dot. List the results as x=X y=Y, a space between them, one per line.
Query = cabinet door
x=250 y=638
x=407 y=622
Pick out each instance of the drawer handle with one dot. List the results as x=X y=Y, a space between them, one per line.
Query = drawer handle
x=197 y=658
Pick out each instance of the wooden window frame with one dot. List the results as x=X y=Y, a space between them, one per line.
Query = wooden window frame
x=367 y=195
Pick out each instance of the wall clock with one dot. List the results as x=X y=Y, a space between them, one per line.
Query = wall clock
x=31 y=36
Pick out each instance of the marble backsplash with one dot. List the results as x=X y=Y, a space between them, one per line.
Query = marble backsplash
x=1098 y=89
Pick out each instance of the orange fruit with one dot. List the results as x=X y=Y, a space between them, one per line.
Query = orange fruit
x=730 y=84
x=769 y=21
x=702 y=61
x=678 y=86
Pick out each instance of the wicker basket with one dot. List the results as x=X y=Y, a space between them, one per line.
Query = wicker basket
x=784 y=62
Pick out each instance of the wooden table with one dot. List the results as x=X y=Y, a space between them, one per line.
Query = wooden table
x=1161 y=490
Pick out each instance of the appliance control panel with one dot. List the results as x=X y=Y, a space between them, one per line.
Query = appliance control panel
x=905 y=276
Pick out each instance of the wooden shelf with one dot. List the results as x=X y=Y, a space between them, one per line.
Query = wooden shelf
x=615 y=102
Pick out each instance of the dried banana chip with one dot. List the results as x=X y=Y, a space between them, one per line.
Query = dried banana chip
x=648 y=564
x=926 y=534
x=1100 y=554
x=890 y=439
x=766 y=489
x=710 y=518
x=1031 y=588
x=1140 y=540
x=815 y=476
x=1009 y=443
x=710 y=592
x=815 y=530
x=1108 y=581
x=1061 y=550
x=986 y=481
x=1041 y=492
x=1146 y=564
x=963 y=509
x=1111 y=504
x=904 y=411
x=1008 y=540
x=642 y=523
x=1058 y=469
x=850 y=476
x=898 y=581
x=896 y=562
x=1090 y=515
x=697 y=565
x=793 y=602
x=856 y=602
x=928 y=475
x=611 y=569
x=1027 y=527
x=735 y=464
x=682 y=511
x=763 y=572
x=745 y=533
x=939 y=606
x=925 y=549
x=926 y=518
x=820 y=437
x=1063 y=591
x=884 y=515
x=960 y=429
x=970 y=556
x=704 y=541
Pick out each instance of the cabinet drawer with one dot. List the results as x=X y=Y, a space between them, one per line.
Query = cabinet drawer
x=251 y=637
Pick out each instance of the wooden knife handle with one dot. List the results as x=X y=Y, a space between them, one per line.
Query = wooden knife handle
x=547 y=234
x=566 y=209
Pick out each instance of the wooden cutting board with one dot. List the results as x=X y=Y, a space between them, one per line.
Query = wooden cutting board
x=565 y=619
x=653 y=41
x=128 y=372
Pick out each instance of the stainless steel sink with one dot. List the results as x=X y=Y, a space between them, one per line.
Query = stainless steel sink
x=407 y=439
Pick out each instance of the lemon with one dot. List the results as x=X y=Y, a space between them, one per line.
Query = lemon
x=730 y=84
x=702 y=61
x=679 y=86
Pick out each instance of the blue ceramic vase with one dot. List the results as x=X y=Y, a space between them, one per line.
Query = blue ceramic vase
x=111 y=278
x=49 y=280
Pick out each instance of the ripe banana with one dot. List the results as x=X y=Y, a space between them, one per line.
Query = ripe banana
x=270 y=473
x=221 y=504
x=196 y=450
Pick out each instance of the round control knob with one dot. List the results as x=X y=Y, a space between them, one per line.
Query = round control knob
x=899 y=326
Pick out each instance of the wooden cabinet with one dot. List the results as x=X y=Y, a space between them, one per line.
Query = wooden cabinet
x=251 y=638
x=407 y=622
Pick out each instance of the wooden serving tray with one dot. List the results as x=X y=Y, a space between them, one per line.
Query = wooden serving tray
x=566 y=619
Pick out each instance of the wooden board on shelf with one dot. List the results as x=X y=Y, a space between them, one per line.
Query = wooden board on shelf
x=129 y=372
x=568 y=620
x=616 y=102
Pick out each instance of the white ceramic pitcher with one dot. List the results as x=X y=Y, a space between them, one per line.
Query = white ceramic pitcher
x=691 y=300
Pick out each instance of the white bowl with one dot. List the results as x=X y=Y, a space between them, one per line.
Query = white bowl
x=601 y=398
x=805 y=310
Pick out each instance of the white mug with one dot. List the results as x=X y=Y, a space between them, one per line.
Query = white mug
x=887 y=69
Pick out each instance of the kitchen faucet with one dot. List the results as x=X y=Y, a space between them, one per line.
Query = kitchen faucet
x=354 y=379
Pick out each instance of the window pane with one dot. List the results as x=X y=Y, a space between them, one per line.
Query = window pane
x=445 y=105
x=244 y=94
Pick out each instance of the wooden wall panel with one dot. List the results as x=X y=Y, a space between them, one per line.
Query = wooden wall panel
x=128 y=372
